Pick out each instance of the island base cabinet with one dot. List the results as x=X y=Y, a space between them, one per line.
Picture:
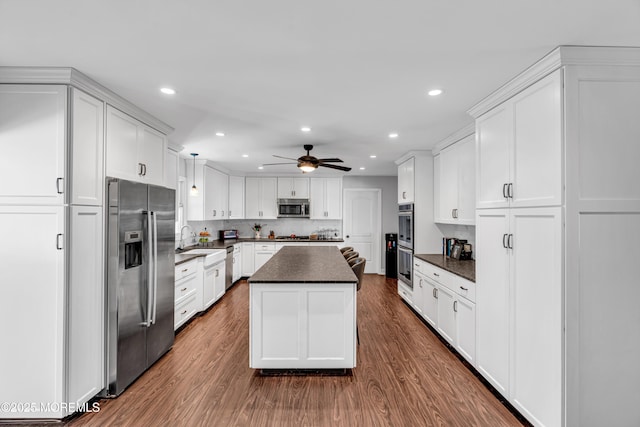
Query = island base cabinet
x=302 y=326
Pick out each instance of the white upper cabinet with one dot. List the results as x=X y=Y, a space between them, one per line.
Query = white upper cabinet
x=32 y=139
x=519 y=148
x=406 y=172
x=171 y=169
x=261 y=198
x=212 y=200
x=293 y=188
x=216 y=194
x=325 y=198
x=236 y=197
x=455 y=183
x=134 y=150
x=87 y=148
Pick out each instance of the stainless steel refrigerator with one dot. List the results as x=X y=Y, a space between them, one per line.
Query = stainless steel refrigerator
x=140 y=279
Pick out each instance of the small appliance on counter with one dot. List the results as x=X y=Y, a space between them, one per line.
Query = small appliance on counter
x=227 y=234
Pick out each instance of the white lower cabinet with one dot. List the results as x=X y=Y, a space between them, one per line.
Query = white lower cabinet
x=237 y=263
x=188 y=290
x=247 y=259
x=263 y=253
x=520 y=306
x=56 y=346
x=213 y=284
x=445 y=301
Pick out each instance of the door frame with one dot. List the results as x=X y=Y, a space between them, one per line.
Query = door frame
x=377 y=240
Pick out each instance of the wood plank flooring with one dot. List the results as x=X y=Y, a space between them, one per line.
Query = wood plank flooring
x=405 y=377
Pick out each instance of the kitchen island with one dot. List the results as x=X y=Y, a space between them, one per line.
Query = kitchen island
x=302 y=311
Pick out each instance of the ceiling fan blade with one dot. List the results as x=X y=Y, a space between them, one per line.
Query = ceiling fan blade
x=272 y=164
x=341 y=168
x=332 y=160
x=280 y=157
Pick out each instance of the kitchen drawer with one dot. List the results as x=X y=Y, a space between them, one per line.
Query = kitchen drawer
x=237 y=248
x=466 y=289
x=186 y=269
x=185 y=288
x=441 y=276
x=264 y=246
x=405 y=292
x=420 y=266
x=185 y=311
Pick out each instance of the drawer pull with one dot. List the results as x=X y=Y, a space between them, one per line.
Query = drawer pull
x=183 y=289
x=185 y=270
x=436 y=274
x=184 y=312
x=417 y=265
x=463 y=288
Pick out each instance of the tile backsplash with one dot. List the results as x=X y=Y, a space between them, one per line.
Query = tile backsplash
x=467 y=232
x=281 y=227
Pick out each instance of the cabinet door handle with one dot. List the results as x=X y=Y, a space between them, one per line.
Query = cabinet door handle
x=504 y=241
x=214 y=212
x=60 y=185
x=420 y=283
x=59 y=242
x=404 y=195
x=463 y=288
x=510 y=190
x=436 y=292
x=510 y=241
x=453 y=213
x=222 y=213
x=504 y=190
x=140 y=169
x=144 y=167
x=229 y=213
x=217 y=272
x=455 y=306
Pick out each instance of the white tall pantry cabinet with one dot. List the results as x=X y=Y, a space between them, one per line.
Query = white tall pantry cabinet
x=558 y=215
x=52 y=128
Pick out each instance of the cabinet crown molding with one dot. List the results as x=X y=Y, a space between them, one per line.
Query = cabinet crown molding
x=469 y=129
x=413 y=153
x=561 y=56
x=71 y=76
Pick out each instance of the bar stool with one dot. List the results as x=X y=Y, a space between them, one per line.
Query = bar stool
x=351 y=255
x=346 y=249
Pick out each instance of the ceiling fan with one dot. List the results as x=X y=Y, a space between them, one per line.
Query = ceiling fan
x=309 y=163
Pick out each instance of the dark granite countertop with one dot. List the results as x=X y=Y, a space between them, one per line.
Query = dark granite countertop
x=305 y=264
x=465 y=269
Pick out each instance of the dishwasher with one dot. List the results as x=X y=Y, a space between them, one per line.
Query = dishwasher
x=228 y=270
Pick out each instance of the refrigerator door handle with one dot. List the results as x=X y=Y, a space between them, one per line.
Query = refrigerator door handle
x=155 y=266
x=147 y=321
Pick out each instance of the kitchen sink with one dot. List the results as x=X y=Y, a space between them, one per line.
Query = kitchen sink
x=200 y=251
x=213 y=256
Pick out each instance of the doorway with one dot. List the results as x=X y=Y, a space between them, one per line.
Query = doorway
x=362 y=227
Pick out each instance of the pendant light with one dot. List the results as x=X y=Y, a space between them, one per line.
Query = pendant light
x=194 y=189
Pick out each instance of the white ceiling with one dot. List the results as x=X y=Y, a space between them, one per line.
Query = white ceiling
x=352 y=70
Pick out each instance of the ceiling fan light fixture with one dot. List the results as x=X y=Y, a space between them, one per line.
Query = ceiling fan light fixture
x=306 y=167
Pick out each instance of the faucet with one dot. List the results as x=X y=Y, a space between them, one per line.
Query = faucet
x=181 y=246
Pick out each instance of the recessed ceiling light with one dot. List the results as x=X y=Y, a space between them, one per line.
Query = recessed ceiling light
x=219 y=133
x=393 y=135
x=245 y=155
x=305 y=129
x=167 y=91
x=260 y=167
x=435 y=92
x=362 y=168
x=373 y=156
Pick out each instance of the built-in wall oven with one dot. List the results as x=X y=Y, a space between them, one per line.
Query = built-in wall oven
x=405 y=244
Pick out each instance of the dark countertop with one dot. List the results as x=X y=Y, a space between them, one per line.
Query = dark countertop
x=305 y=264
x=182 y=256
x=222 y=244
x=465 y=269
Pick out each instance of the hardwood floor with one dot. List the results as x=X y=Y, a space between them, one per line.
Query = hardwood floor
x=405 y=377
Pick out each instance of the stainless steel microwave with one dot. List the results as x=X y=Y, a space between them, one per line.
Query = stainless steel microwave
x=293 y=208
